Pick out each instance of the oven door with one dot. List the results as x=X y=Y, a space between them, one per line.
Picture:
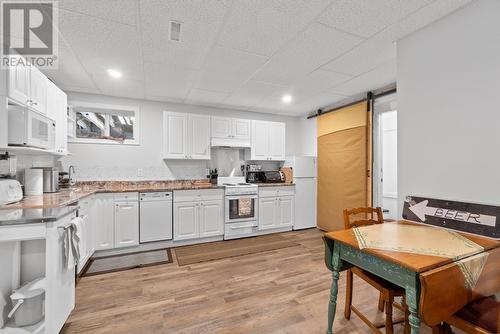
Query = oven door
x=240 y=208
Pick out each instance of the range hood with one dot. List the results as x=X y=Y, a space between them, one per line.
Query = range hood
x=230 y=142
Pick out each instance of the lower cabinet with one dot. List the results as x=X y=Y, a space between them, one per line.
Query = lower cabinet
x=104 y=221
x=116 y=222
x=126 y=224
x=276 y=208
x=198 y=214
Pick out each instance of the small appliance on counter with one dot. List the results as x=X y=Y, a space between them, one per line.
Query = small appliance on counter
x=10 y=191
x=8 y=165
x=265 y=177
x=50 y=179
x=33 y=181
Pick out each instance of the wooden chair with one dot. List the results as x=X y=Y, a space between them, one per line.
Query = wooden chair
x=387 y=290
x=479 y=317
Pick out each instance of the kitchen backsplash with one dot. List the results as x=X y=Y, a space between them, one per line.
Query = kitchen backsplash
x=226 y=160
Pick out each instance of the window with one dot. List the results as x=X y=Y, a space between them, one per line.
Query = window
x=105 y=124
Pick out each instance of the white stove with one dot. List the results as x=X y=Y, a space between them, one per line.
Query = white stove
x=241 y=209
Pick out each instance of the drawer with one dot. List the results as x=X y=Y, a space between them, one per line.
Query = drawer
x=127 y=196
x=277 y=191
x=198 y=195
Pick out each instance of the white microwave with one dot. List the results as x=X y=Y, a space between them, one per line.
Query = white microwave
x=29 y=128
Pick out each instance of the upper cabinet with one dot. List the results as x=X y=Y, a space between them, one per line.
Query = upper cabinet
x=186 y=136
x=57 y=109
x=231 y=132
x=27 y=86
x=268 y=141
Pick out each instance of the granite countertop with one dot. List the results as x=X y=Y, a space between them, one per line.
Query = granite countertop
x=276 y=184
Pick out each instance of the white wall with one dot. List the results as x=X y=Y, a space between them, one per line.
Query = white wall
x=121 y=162
x=449 y=107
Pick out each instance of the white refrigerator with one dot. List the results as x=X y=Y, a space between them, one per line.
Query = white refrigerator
x=304 y=177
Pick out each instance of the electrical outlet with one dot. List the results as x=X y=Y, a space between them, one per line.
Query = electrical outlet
x=140 y=172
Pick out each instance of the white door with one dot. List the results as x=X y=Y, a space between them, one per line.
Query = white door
x=126 y=224
x=186 y=220
x=260 y=140
x=60 y=279
x=276 y=141
x=221 y=127
x=174 y=135
x=211 y=219
x=199 y=137
x=56 y=107
x=19 y=83
x=286 y=210
x=267 y=213
x=38 y=90
x=305 y=200
x=104 y=221
x=241 y=128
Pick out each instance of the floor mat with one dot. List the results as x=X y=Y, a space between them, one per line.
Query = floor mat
x=230 y=248
x=107 y=264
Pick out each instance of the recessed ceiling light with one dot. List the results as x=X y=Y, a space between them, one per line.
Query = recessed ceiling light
x=286 y=98
x=114 y=73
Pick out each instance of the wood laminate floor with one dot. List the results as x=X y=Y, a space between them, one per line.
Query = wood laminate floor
x=279 y=291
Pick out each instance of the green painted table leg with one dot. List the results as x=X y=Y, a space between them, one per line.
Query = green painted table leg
x=332 y=305
x=412 y=302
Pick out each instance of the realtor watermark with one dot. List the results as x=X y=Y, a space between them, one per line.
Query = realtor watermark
x=29 y=34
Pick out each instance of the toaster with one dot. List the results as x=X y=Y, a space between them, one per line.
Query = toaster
x=10 y=191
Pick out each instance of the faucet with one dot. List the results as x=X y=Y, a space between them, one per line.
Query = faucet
x=71 y=171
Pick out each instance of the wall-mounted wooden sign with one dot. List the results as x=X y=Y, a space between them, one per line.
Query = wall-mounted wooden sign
x=467 y=217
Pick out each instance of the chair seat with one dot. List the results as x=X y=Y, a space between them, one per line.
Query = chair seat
x=483 y=313
x=377 y=282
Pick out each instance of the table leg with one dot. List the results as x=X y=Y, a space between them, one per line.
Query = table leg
x=412 y=302
x=332 y=305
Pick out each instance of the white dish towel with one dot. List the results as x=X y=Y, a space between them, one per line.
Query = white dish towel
x=72 y=242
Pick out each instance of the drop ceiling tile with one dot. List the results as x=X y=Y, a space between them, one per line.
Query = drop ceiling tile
x=200 y=23
x=319 y=80
x=252 y=93
x=220 y=81
x=69 y=88
x=123 y=11
x=366 y=56
x=365 y=18
x=168 y=82
x=70 y=71
x=308 y=51
x=102 y=44
x=376 y=78
x=205 y=96
x=263 y=26
x=120 y=87
x=226 y=60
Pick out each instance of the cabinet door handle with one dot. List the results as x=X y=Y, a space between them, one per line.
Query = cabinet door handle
x=34 y=103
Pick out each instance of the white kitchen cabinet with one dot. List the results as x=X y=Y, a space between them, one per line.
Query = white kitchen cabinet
x=268 y=141
x=38 y=90
x=231 y=128
x=186 y=136
x=211 y=218
x=286 y=210
x=104 y=221
x=19 y=83
x=57 y=103
x=199 y=137
x=268 y=213
x=126 y=224
x=186 y=220
x=276 y=207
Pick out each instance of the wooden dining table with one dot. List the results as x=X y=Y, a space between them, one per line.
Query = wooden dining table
x=435 y=286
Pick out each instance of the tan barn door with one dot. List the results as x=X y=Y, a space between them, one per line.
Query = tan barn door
x=344 y=160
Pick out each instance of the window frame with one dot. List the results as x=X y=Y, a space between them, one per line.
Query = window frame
x=136 y=128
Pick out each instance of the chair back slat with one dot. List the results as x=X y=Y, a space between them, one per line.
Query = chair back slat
x=368 y=218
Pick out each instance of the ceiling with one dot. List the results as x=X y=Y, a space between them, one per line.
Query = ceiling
x=241 y=54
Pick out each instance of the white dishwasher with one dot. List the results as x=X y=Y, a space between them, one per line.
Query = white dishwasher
x=155 y=222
